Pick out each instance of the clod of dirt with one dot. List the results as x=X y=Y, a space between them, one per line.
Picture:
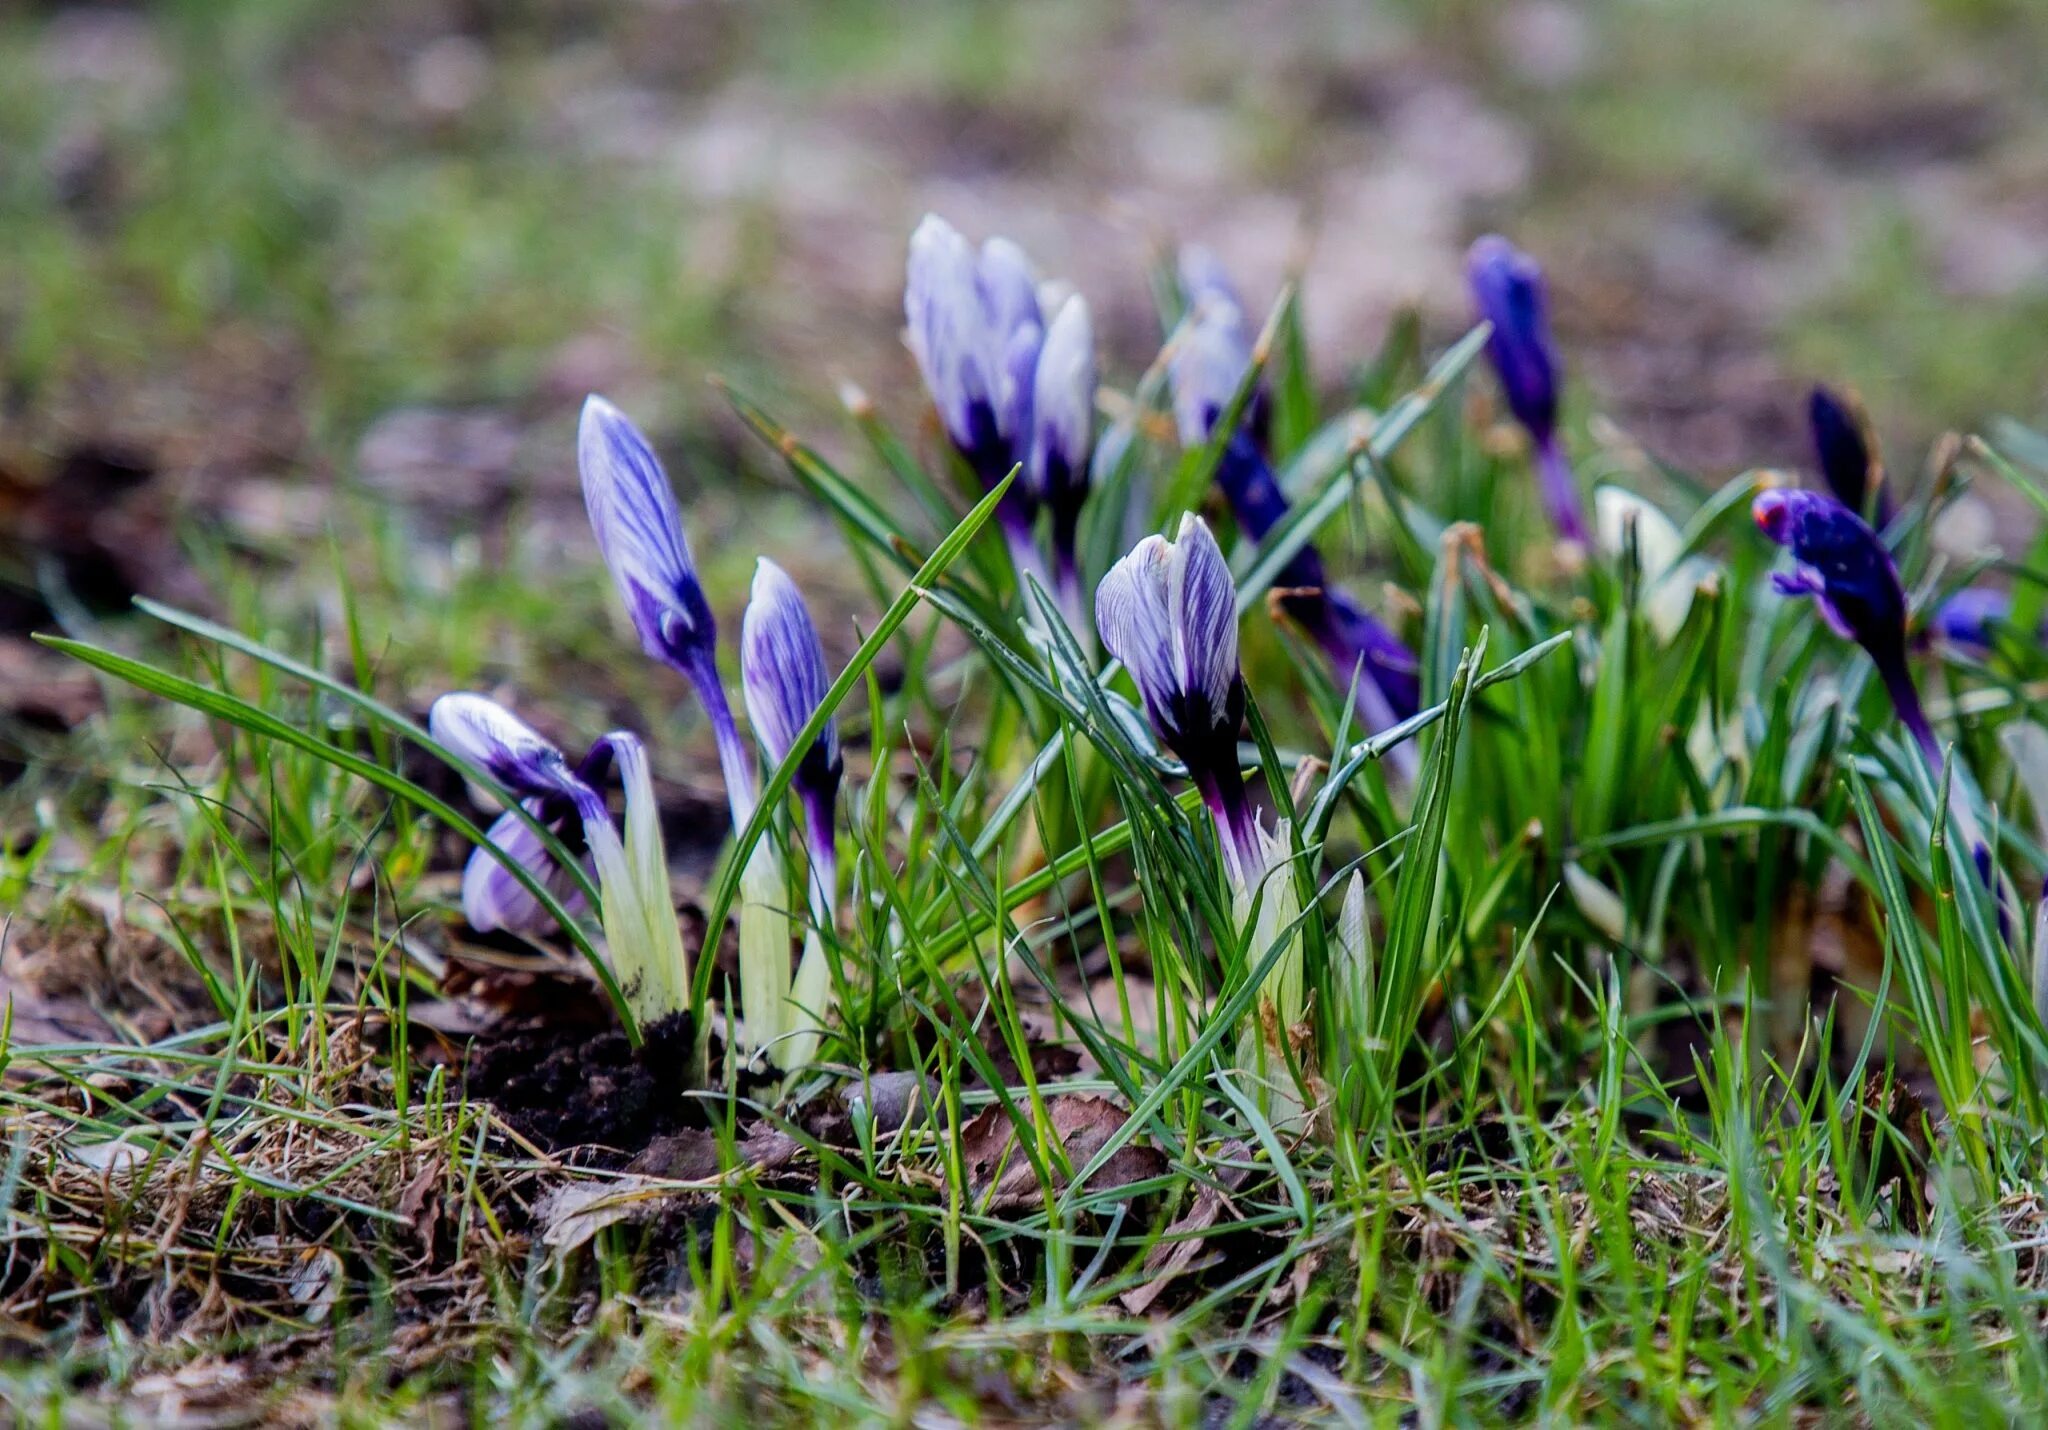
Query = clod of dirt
x=565 y=1087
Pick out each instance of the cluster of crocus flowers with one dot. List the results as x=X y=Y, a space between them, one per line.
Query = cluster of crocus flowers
x=639 y=920
x=1508 y=291
x=1011 y=371
x=640 y=533
x=782 y=669
x=1211 y=355
x=1168 y=612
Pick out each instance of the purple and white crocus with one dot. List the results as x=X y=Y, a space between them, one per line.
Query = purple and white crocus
x=640 y=533
x=1212 y=353
x=783 y=675
x=1168 y=612
x=1063 y=442
x=1508 y=290
x=641 y=935
x=1013 y=385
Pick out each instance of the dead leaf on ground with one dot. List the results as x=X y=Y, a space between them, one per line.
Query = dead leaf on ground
x=1000 y=1176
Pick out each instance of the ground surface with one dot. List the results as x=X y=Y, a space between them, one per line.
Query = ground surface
x=301 y=299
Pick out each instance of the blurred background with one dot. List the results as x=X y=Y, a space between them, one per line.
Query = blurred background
x=289 y=279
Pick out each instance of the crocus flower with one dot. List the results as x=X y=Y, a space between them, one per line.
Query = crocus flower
x=1507 y=287
x=640 y=532
x=1841 y=563
x=1843 y=452
x=782 y=669
x=1062 y=439
x=641 y=934
x=1167 y=611
x=1209 y=361
x=976 y=330
x=1970 y=618
x=516 y=756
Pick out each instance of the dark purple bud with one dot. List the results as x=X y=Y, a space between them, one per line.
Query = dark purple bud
x=1970 y=618
x=1841 y=563
x=1507 y=289
x=1844 y=454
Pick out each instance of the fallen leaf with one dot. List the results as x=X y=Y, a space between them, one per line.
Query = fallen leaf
x=999 y=1175
x=572 y=1215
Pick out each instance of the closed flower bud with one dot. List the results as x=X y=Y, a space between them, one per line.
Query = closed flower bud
x=1843 y=451
x=1507 y=288
x=640 y=532
x=1840 y=562
x=1063 y=435
x=495 y=740
x=1168 y=611
x=782 y=671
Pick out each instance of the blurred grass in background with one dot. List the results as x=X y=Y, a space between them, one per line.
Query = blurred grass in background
x=302 y=214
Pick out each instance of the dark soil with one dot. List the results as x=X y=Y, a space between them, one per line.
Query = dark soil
x=565 y=1087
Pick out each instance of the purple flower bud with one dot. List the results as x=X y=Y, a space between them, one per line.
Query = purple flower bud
x=1210 y=357
x=1063 y=431
x=1507 y=288
x=1168 y=611
x=640 y=532
x=782 y=671
x=1842 y=450
x=1219 y=337
x=1841 y=563
x=493 y=738
x=1969 y=618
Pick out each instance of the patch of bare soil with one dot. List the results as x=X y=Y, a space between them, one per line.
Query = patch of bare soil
x=575 y=1088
